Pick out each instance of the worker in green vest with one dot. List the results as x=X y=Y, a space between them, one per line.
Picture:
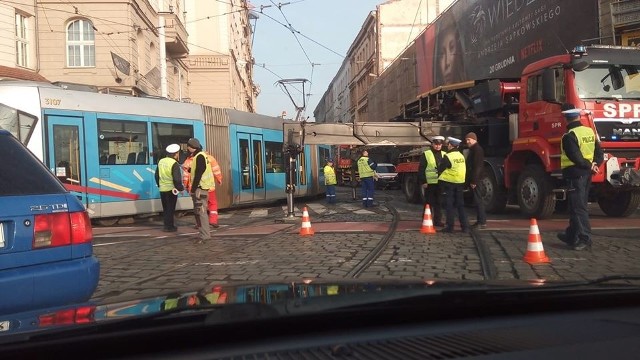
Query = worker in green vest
x=330 y=181
x=366 y=170
x=452 y=171
x=202 y=182
x=428 y=178
x=169 y=180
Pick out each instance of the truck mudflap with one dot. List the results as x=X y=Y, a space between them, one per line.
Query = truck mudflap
x=622 y=177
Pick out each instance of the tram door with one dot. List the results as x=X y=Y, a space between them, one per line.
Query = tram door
x=252 y=167
x=66 y=153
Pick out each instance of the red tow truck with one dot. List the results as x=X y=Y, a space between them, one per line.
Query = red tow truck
x=520 y=126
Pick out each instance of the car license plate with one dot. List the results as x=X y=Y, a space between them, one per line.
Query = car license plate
x=4 y=326
x=2 y=242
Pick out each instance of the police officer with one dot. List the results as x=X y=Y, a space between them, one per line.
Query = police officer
x=452 y=171
x=366 y=169
x=168 y=179
x=581 y=157
x=428 y=178
x=201 y=182
x=330 y=181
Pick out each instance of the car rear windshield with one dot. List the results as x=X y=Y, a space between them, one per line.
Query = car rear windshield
x=386 y=169
x=22 y=173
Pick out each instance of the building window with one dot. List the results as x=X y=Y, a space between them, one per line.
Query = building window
x=22 y=42
x=81 y=49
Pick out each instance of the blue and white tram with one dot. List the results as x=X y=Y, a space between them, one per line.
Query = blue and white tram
x=102 y=147
x=249 y=148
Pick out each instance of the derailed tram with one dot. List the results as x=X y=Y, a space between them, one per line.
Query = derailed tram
x=104 y=147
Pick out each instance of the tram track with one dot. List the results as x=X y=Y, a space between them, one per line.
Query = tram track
x=487 y=266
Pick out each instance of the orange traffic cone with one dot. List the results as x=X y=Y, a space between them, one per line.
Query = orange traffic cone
x=306 y=224
x=427 y=222
x=535 y=252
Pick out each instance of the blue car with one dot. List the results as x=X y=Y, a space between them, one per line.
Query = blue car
x=46 y=254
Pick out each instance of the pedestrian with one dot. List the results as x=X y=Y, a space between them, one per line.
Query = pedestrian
x=475 y=166
x=452 y=172
x=201 y=182
x=212 y=204
x=366 y=170
x=168 y=180
x=428 y=178
x=580 y=158
x=330 y=181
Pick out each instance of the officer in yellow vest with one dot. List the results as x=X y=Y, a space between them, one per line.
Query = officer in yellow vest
x=168 y=179
x=580 y=159
x=366 y=169
x=452 y=171
x=428 y=178
x=330 y=181
x=201 y=182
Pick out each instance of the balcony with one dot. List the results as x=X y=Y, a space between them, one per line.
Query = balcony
x=175 y=35
x=625 y=12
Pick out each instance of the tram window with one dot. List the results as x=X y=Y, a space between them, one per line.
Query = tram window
x=244 y=163
x=274 y=156
x=66 y=153
x=165 y=134
x=323 y=156
x=18 y=123
x=124 y=139
x=302 y=169
x=258 y=164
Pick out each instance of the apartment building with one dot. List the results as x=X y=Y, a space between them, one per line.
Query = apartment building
x=385 y=33
x=136 y=47
x=220 y=56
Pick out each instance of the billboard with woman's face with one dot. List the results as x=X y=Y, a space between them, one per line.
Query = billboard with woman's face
x=480 y=39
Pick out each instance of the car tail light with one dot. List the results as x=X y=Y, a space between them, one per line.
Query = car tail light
x=81 y=315
x=81 y=231
x=61 y=229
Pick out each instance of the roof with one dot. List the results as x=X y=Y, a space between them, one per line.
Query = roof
x=21 y=74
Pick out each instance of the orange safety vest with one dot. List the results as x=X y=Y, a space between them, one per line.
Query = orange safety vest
x=186 y=173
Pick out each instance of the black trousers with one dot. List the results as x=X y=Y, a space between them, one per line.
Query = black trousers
x=168 y=208
x=579 y=229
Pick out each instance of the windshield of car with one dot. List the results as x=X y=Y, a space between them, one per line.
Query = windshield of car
x=248 y=160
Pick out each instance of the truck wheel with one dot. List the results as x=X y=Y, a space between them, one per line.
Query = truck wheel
x=411 y=189
x=534 y=193
x=493 y=196
x=620 y=204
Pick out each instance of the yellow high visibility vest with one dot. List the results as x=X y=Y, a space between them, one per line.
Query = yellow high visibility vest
x=364 y=170
x=206 y=181
x=431 y=171
x=165 y=176
x=586 y=142
x=329 y=175
x=458 y=170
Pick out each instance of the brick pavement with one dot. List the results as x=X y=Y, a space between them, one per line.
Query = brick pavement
x=270 y=250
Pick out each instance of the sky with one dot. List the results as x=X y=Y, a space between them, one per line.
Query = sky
x=325 y=29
